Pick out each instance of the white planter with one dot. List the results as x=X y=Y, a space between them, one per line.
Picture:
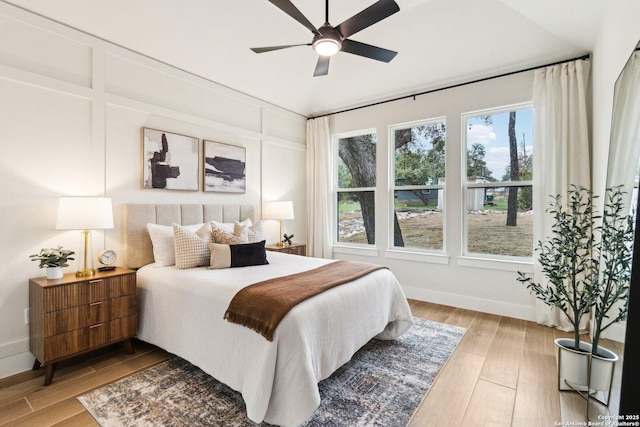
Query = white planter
x=573 y=367
x=54 y=272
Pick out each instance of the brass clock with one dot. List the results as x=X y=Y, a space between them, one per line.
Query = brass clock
x=107 y=258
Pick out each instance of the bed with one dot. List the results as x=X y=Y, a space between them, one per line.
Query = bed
x=182 y=311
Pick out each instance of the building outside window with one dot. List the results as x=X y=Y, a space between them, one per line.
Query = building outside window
x=497 y=182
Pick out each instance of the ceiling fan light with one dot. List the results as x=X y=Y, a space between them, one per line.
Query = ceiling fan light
x=326 y=46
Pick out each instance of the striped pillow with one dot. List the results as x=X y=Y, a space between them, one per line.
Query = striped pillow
x=191 y=247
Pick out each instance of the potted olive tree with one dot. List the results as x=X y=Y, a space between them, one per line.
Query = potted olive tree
x=587 y=263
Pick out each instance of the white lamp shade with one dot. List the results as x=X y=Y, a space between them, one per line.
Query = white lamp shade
x=84 y=213
x=277 y=210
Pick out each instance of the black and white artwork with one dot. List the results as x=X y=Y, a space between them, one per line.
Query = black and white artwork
x=224 y=167
x=170 y=160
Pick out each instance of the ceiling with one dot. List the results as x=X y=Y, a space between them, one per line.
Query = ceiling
x=440 y=42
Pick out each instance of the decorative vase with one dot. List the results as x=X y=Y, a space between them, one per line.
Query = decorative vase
x=54 y=272
x=573 y=367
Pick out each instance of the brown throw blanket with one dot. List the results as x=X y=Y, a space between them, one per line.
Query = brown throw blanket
x=262 y=306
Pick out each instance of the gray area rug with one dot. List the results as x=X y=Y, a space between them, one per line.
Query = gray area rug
x=382 y=385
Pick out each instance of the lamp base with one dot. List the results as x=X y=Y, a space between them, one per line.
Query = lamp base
x=85 y=260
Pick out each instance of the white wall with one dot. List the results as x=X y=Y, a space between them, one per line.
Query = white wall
x=71 y=112
x=452 y=280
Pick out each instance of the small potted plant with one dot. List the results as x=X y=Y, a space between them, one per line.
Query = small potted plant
x=588 y=267
x=53 y=259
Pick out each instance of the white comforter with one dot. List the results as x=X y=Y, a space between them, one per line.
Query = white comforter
x=182 y=312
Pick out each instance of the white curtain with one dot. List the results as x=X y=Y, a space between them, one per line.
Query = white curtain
x=562 y=155
x=319 y=177
x=624 y=150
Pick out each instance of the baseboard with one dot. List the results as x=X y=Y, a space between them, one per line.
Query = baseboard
x=472 y=303
x=16 y=364
x=15 y=357
x=14 y=347
x=615 y=332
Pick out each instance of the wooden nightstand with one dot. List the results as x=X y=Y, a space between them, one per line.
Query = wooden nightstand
x=295 y=249
x=73 y=315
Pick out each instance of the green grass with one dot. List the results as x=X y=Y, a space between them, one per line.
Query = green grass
x=349 y=207
x=498 y=205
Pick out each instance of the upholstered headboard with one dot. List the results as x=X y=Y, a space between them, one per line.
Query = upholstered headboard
x=137 y=240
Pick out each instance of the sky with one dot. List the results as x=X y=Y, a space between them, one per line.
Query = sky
x=495 y=137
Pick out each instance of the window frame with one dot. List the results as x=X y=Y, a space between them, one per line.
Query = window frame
x=392 y=188
x=474 y=259
x=336 y=189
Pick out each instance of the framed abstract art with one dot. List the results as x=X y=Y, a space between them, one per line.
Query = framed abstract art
x=170 y=160
x=224 y=167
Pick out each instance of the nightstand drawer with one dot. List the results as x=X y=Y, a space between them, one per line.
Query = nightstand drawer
x=86 y=292
x=89 y=337
x=123 y=327
x=61 y=321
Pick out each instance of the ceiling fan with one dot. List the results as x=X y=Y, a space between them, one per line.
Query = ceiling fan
x=329 y=40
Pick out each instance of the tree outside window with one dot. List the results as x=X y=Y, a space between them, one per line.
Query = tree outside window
x=498 y=182
x=356 y=188
x=418 y=186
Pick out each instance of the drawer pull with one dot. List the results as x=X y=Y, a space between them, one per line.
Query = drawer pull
x=95 y=326
x=95 y=281
x=96 y=303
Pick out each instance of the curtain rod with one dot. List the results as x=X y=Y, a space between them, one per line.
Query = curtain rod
x=453 y=86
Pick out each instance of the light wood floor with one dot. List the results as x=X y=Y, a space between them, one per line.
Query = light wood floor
x=503 y=373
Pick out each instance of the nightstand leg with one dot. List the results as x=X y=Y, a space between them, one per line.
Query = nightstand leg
x=36 y=365
x=128 y=346
x=50 y=370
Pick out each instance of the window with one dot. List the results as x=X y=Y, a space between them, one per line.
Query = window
x=498 y=182
x=355 y=192
x=418 y=185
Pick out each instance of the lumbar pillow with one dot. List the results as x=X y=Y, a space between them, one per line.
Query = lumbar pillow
x=162 y=242
x=191 y=247
x=243 y=255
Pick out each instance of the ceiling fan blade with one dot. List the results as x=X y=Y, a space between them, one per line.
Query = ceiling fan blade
x=287 y=7
x=368 y=51
x=272 y=48
x=369 y=16
x=322 y=67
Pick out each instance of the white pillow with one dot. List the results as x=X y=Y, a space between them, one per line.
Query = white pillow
x=191 y=247
x=254 y=233
x=162 y=242
x=228 y=227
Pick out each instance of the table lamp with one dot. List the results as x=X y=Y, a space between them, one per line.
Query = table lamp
x=278 y=211
x=86 y=214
